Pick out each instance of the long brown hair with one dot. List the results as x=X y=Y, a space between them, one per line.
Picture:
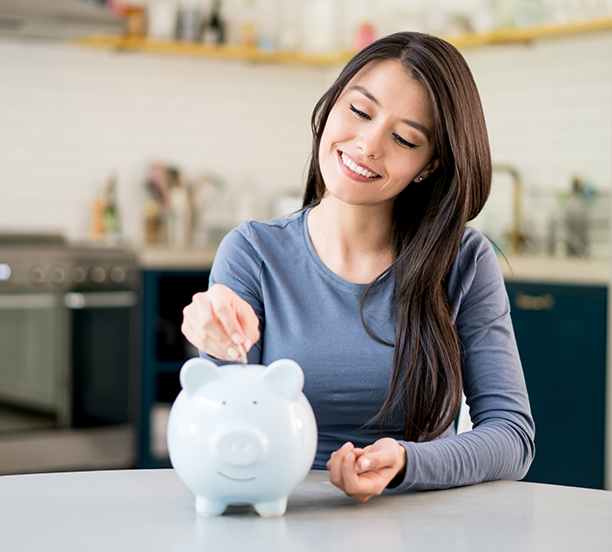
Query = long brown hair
x=429 y=218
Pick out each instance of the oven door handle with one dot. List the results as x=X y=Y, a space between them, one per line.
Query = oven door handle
x=22 y=301
x=100 y=299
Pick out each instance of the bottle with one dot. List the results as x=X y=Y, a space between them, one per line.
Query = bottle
x=188 y=21
x=214 y=30
x=161 y=20
x=268 y=19
x=248 y=23
x=289 y=25
x=111 y=214
x=319 y=27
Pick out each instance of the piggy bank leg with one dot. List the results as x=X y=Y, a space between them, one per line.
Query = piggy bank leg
x=271 y=508
x=207 y=507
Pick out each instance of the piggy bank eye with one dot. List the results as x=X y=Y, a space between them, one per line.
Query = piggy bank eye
x=223 y=403
x=254 y=402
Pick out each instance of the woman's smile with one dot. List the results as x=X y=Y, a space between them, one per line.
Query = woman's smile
x=355 y=170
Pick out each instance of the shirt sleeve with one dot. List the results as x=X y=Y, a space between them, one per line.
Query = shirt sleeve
x=501 y=443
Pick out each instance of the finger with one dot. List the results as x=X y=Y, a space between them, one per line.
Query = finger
x=223 y=307
x=200 y=322
x=249 y=323
x=337 y=456
x=352 y=485
x=203 y=330
x=334 y=464
x=385 y=453
x=202 y=341
x=348 y=469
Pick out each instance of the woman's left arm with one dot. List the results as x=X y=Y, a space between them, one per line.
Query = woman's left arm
x=501 y=444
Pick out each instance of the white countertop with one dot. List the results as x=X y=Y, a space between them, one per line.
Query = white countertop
x=171 y=258
x=530 y=269
x=152 y=510
x=556 y=270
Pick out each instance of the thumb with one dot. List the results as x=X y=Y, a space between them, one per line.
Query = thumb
x=385 y=453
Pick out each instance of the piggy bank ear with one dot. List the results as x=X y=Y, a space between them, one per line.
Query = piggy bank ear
x=197 y=372
x=286 y=376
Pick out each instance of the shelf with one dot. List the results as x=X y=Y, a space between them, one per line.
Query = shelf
x=527 y=34
x=209 y=51
x=517 y=36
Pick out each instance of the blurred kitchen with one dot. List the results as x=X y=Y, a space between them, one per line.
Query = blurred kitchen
x=135 y=134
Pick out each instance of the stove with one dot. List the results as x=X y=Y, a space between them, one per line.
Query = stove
x=68 y=320
x=49 y=263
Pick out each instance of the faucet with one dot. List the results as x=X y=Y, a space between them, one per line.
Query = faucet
x=516 y=237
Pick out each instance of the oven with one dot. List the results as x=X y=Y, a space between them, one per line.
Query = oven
x=68 y=334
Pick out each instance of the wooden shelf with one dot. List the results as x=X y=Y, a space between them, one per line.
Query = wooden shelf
x=517 y=35
x=209 y=51
x=527 y=34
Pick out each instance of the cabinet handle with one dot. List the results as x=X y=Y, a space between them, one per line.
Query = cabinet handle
x=544 y=302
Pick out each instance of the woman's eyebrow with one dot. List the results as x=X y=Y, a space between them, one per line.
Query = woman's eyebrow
x=414 y=124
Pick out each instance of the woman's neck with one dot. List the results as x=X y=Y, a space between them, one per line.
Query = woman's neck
x=353 y=241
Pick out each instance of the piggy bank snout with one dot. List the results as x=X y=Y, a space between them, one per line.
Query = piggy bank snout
x=239 y=445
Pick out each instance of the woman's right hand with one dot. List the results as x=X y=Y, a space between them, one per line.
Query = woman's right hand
x=217 y=320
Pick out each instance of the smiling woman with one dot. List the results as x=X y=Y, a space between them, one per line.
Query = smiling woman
x=391 y=305
x=378 y=133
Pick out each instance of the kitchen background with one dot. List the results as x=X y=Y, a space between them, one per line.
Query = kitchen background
x=74 y=118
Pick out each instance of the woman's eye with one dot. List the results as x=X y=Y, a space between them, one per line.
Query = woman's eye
x=360 y=113
x=403 y=142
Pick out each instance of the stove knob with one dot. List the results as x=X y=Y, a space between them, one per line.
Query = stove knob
x=57 y=275
x=37 y=275
x=97 y=275
x=78 y=275
x=117 y=275
x=5 y=272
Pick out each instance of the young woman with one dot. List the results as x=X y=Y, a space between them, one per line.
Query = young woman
x=389 y=303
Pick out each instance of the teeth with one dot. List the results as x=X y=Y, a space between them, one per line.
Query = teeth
x=356 y=168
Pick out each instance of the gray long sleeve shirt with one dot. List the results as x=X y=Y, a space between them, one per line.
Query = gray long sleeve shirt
x=309 y=314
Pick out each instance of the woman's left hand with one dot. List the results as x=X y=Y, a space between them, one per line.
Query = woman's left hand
x=365 y=472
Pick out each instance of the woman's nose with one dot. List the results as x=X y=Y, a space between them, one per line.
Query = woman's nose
x=371 y=141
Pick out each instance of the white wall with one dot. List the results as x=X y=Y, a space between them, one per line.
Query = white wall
x=549 y=112
x=69 y=116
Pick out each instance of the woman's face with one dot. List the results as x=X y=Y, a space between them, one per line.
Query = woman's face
x=379 y=136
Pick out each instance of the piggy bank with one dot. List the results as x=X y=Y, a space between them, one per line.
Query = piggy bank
x=241 y=434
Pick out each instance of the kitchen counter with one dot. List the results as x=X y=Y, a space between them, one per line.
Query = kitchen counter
x=168 y=258
x=520 y=268
x=563 y=270
x=153 y=510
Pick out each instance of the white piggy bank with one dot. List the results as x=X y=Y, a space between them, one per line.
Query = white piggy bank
x=242 y=434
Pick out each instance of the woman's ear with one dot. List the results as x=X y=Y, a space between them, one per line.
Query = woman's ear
x=430 y=168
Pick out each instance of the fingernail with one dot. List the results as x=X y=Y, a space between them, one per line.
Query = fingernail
x=363 y=465
x=247 y=344
x=347 y=445
x=232 y=353
x=237 y=338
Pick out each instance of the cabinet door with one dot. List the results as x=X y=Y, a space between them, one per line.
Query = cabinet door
x=561 y=336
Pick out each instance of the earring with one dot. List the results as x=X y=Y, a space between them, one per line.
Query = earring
x=420 y=178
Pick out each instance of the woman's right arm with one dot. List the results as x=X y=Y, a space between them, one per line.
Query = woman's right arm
x=217 y=320
x=231 y=311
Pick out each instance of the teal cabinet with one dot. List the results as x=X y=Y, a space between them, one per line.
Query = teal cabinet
x=561 y=336
x=164 y=349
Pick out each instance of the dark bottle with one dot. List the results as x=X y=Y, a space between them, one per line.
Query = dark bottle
x=214 y=30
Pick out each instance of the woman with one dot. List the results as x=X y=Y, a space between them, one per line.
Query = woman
x=376 y=287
